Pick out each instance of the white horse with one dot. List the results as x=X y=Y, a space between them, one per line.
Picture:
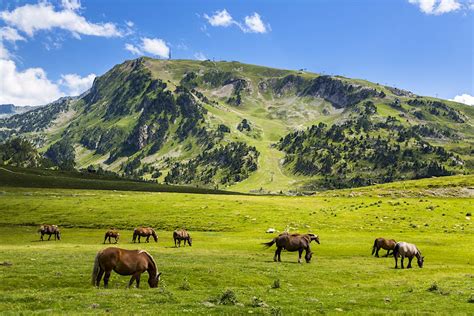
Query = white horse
x=404 y=249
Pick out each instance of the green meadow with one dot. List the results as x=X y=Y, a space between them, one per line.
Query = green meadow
x=53 y=277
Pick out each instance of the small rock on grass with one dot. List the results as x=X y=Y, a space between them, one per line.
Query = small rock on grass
x=208 y=304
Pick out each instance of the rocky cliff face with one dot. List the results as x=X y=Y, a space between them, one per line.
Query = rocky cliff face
x=339 y=93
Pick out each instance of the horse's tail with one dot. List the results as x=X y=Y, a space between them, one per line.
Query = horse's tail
x=374 y=247
x=96 y=269
x=396 y=250
x=270 y=243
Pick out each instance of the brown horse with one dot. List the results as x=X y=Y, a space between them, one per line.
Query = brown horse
x=124 y=262
x=144 y=232
x=112 y=233
x=182 y=234
x=387 y=244
x=50 y=230
x=293 y=242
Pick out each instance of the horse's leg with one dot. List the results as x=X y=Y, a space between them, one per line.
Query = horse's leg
x=132 y=279
x=49 y=237
x=148 y=238
x=388 y=251
x=279 y=253
x=106 y=278
x=42 y=236
x=396 y=261
x=99 y=277
x=139 y=237
x=377 y=251
x=105 y=239
x=409 y=262
x=402 y=262
x=138 y=279
x=175 y=244
x=300 y=251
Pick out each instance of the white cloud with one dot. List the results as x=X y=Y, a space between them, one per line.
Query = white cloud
x=71 y=4
x=220 y=18
x=133 y=49
x=153 y=46
x=437 y=7
x=200 y=56
x=252 y=23
x=76 y=84
x=255 y=24
x=32 y=18
x=28 y=87
x=464 y=98
x=4 y=54
x=10 y=34
x=130 y=24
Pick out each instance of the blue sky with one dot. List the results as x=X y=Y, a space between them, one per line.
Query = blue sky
x=54 y=48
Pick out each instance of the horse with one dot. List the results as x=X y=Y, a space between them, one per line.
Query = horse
x=387 y=244
x=50 y=230
x=405 y=249
x=144 y=232
x=124 y=262
x=182 y=234
x=112 y=233
x=293 y=242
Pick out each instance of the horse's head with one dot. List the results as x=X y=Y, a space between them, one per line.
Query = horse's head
x=153 y=282
x=155 y=237
x=420 y=261
x=190 y=241
x=308 y=257
x=314 y=238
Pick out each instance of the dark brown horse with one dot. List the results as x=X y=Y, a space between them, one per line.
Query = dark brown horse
x=50 y=230
x=182 y=234
x=293 y=242
x=387 y=244
x=124 y=262
x=112 y=233
x=144 y=232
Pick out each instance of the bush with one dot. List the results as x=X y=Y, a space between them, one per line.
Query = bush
x=276 y=284
x=228 y=297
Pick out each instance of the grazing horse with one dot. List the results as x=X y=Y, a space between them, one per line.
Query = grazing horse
x=144 y=232
x=124 y=262
x=50 y=230
x=182 y=234
x=387 y=244
x=293 y=242
x=112 y=233
x=404 y=249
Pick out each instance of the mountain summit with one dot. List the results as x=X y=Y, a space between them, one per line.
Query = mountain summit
x=247 y=127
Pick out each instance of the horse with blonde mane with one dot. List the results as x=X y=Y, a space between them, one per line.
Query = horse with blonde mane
x=124 y=262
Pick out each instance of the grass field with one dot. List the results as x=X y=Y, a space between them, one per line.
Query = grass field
x=227 y=230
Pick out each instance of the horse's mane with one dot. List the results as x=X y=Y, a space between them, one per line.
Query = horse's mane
x=151 y=259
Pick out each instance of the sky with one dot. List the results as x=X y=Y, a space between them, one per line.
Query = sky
x=50 y=49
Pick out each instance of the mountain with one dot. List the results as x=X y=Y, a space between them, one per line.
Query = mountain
x=249 y=128
x=7 y=110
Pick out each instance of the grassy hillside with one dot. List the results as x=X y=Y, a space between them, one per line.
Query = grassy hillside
x=41 y=178
x=157 y=118
x=227 y=231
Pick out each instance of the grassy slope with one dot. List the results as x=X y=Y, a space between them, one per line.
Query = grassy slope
x=40 y=178
x=227 y=232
